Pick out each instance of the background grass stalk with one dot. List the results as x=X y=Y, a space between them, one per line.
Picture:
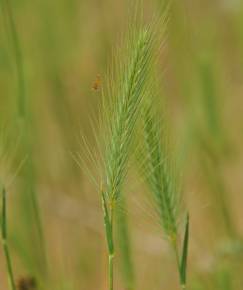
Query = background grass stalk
x=5 y=244
x=23 y=126
x=21 y=98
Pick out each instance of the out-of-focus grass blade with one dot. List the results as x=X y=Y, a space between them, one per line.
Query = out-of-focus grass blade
x=183 y=263
x=28 y=197
x=21 y=95
x=4 y=241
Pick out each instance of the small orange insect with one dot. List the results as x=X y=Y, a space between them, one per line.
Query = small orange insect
x=97 y=83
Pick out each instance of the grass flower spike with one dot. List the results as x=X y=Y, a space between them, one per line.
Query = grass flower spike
x=125 y=96
x=163 y=183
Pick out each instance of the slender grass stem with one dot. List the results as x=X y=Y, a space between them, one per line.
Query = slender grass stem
x=41 y=236
x=111 y=253
x=111 y=256
x=21 y=97
x=108 y=221
x=9 y=265
x=4 y=242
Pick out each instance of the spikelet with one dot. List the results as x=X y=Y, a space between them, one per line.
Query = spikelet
x=158 y=170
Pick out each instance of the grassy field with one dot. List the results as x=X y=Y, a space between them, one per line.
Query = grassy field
x=121 y=133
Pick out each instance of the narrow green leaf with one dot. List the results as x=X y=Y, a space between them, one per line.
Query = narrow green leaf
x=183 y=263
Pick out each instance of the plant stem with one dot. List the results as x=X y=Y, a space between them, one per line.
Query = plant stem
x=9 y=265
x=111 y=251
x=111 y=256
x=108 y=222
x=4 y=242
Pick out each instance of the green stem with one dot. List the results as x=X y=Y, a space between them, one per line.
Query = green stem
x=111 y=256
x=4 y=242
x=108 y=221
x=111 y=251
x=9 y=265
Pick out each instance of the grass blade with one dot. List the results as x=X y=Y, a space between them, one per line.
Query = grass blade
x=21 y=95
x=24 y=124
x=4 y=242
x=183 y=263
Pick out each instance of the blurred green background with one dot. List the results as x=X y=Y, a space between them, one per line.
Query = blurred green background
x=48 y=64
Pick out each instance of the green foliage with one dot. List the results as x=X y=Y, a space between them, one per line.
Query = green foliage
x=28 y=201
